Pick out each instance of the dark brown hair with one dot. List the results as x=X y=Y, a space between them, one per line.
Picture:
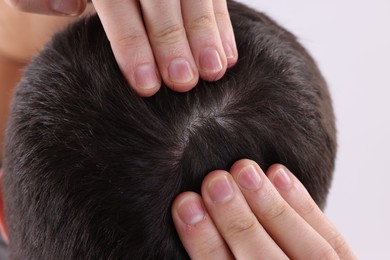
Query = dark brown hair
x=91 y=168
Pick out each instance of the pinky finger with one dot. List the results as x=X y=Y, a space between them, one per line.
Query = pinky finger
x=296 y=195
x=225 y=28
x=51 y=7
x=196 y=230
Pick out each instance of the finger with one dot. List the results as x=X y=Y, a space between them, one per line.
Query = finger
x=235 y=221
x=296 y=195
x=277 y=217
x=52 y=7
x=196 y=230
x=168 y=39
x=226 y=33
x=204 y=38
x=124 y=27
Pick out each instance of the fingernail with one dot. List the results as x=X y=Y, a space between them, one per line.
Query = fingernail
x=229 y=54
x=210 y=61
x=282 y=180
x=220 y=189
x=249 y=178
x=146 y=77
x=10 y=2
x=180 y=71
x=191 y=211
x=66 y=7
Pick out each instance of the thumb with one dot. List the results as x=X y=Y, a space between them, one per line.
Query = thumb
x=51 y=7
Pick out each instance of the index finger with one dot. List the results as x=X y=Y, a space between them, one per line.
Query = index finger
x=124 y=26
x=196 y=229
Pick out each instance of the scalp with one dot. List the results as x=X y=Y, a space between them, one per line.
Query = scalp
x=91 y=168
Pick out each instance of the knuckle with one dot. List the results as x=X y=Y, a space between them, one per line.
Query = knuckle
x=210 y=246
x=201 y=23
x=307 y=209
x=327 y=254
x=338 y=244
x=241 y=226
x=222 y=16
x=131 y=40
x=170 y=34
x=275 y=211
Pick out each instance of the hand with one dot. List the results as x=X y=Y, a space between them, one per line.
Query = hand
x=176 y=40
x=245 y=215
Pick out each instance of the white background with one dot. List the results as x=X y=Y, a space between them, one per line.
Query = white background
x=351 y=42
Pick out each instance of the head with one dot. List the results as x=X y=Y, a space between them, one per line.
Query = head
x=91 y=168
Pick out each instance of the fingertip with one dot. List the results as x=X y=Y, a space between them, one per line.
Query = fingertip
x=147 y=80
x=231 y=62
x=195 y=228
x=282 y=179
x=188 y=209
x=231 y=54
x=226 y=32
x=143 y=77
x=210 y=176
x=290 y=188
x=146 y=93
x=11 y=3
x=50 y=7
x=248 y=175
x=182 y=75
x=241 y=164
x=280 y=176
x=212 y=64
x=217 y=187
x=181 y=88
x=213 y=76
x=139 y=89
x=180 y=198
x=67 y=7
x=83 y=6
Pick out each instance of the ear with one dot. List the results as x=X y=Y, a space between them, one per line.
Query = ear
x=3 y=227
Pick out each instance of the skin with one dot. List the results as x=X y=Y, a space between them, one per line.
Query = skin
x=246 y=214
x=22 y=35
x=176 y=41
x=236 y=216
